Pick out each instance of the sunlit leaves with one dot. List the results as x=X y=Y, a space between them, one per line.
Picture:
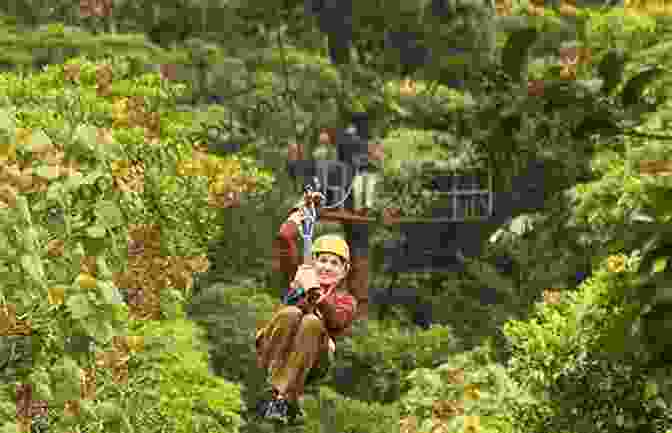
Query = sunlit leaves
x=617 y=263
x=660 y=264
x=56 y=247
x=447 y=409
x=552 y=296
x=472 y=424
x=536 y=8
x=647 y=7
x=56 y=295
x=129 y=176
x=472 y=392
x=568 y=8
x=504 y=7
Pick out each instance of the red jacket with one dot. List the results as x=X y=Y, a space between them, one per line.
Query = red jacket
x=338 y=309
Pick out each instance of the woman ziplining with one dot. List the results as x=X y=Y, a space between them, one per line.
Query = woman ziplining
x=298 y=345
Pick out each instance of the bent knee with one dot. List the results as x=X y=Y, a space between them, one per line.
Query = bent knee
x=290 y=311
x=311 y=321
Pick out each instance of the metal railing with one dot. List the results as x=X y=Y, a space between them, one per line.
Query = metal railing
x=470 y=202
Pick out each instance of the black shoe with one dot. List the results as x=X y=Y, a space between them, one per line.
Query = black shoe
x=277 y=410
x=263 y=405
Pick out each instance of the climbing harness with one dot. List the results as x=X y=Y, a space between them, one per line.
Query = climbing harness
x=310 y=210
x=311 y=213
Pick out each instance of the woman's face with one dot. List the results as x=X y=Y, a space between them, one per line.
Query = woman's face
x=330 y=269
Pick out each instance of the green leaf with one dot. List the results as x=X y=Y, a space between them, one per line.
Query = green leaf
x=76 y=256
x=40 y=381
x=92 y=177
x=593 y=86
x=98 y=328
x=39 y=140
x=560 y=94
x=87 y=136
x=632 y=92
x=620 y=420
x=109 y=411
x=663 y=295
x=30 y=239
x=55 y=191
x=65 y=380
x=515 y=52
x=32 y=264
x=650 y=390
x=10 y=427
x=72 y=183
x=24 y=209
x=512 y=23
x=103 y=270
x=110 y=292
x=611 y=69
x=79 y=306
x=109 y=213
x=4 y=243
x=47 y=172
x=7 y=120
x=96 y=231
x=660 y=264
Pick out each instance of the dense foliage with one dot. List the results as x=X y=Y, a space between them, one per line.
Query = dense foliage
x=97 y=152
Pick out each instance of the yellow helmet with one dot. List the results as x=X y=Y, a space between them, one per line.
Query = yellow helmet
x=332 y=244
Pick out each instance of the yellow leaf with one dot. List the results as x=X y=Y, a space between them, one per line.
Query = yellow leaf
x=616 y=263
x=472 y=392
x=219 y=187
x=455 y=376
x=408 y=425
x=567 y=10
x=8 y=194
x=22 y=135
x=56 y=247
x=56 y=295
x=472 y=424
x=135 y=342
x=120 y=168
x=86 y=281
x=8 y=152
x=439 y=427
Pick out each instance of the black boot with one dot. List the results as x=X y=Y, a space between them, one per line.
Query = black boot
x=263 y=405
x=278 y=410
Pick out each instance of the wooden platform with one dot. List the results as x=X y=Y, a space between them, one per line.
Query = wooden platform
x=350 y=217
x=344 y=216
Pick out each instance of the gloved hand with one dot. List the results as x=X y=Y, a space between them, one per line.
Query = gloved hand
x=316 y=197
x=306 y=277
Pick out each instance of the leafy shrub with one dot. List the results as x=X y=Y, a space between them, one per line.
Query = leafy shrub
x=446 y=385
x=69 y=203
x=565 y=357
x=190 y=399
x=231 y=317
x=379 y=356
x=331 y=411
